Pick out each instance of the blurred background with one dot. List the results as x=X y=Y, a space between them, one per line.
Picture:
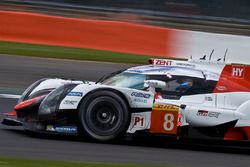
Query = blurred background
x=223 y=16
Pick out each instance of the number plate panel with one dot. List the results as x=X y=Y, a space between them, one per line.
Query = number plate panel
x=164 y=119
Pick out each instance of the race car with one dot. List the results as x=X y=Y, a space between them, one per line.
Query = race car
x=172 y=98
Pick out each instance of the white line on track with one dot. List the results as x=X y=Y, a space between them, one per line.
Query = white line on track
x=10 y=96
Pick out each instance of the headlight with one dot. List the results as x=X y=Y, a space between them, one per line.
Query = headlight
x=51 y=103
x=27 y=92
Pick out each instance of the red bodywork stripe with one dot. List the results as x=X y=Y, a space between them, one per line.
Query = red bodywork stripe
x=234 y=78
x=10 y=114
x=27 y=102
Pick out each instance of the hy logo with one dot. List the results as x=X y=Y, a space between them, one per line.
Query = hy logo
x=238 y=72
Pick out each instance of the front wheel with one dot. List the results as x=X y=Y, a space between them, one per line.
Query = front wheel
x=104 y=116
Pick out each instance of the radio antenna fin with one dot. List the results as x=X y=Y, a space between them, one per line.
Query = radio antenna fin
x=224 y=59
x=210 y=57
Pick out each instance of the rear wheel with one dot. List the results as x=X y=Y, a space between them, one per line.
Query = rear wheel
x=104 y=116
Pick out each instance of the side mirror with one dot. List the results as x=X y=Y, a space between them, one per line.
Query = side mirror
x=154 y=84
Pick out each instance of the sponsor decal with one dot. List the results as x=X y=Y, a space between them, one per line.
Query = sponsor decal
x=140 y=100
x=167 y=107
x=62 y=129
x=221 y=88
x=50 y=128
x=66 y=129
x=69 y=102
x=214 y=114
x=185 y=65
x=142 y=95
x=79 y=94
x=208 y=98
x=204 y=113
x=238 y=71
x=162 y=62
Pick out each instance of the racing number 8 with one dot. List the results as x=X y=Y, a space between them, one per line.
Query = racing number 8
x=164 y=120
x=168 y=124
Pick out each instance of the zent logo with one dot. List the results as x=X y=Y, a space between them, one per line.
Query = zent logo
x=162 y=62
x=238 y=72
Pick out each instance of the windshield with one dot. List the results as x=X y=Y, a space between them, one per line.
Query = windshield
x=127 y=80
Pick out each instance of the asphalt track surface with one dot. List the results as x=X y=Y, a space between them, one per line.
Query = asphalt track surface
x=19 y=72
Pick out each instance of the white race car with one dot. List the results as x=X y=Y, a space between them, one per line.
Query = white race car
x=167 y=97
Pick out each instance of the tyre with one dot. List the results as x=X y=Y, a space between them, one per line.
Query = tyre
x=104 y=116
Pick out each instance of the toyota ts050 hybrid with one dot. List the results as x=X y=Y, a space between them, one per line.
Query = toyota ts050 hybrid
x=171 y=98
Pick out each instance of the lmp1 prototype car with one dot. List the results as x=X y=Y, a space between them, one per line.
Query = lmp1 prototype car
x=171 y=98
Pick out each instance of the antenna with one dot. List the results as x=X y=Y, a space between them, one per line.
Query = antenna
x=211 y=55
x=224 y=59
x=204 y=57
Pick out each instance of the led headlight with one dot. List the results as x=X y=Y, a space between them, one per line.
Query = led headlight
x=51 y=103
x=27 y=92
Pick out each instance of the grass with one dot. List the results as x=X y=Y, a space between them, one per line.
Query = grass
x=14 y=162
x=46 y=51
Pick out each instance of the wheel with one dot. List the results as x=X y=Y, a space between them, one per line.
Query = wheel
x=104 y=116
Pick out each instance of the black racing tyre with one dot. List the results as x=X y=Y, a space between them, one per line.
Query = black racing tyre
x=104 y=116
